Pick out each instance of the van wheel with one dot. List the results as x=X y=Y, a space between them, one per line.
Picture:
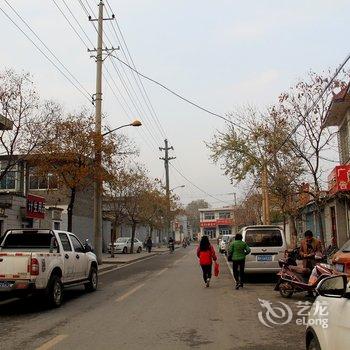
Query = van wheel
x=286 y=290
x=91 y=286
x=55 y=291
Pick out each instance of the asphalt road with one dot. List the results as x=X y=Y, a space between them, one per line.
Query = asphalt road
x=159 y=303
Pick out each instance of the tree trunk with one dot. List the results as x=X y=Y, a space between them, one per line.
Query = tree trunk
x=133 y=231
x=293 y=231
x=113 y=236
x=70 y=209
x=320 y=222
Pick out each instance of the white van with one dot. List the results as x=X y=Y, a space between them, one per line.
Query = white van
x=267 y=244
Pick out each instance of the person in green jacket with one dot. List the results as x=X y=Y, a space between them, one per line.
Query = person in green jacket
x=238 y=251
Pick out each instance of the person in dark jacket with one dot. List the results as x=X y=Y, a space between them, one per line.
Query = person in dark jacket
x=238 y=251
x=206 y=255
x=149 y=244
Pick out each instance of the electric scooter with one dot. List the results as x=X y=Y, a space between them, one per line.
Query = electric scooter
x=296 y=279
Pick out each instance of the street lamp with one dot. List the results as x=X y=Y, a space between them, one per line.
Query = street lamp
x=98 y=194
x=181 y=186
x=134 y=123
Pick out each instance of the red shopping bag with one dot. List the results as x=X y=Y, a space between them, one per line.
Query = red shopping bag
x=216 y=269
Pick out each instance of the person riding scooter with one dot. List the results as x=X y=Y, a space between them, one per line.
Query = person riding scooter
x=309 y=248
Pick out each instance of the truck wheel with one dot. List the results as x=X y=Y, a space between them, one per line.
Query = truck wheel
x=91 y=286
x=55 y=291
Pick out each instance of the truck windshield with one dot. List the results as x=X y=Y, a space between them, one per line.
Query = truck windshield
x=27 y=240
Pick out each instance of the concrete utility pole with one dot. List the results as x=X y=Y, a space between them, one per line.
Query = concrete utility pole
x=166 y=159
x=98 y=136
x=265 y=196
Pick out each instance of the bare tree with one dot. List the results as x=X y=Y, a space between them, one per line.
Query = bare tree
x=30 y=117
x=302 y=107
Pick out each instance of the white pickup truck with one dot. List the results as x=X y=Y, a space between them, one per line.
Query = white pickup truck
x=37 y=260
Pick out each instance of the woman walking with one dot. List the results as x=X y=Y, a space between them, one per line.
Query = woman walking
x=238 y=251
x=206 y=255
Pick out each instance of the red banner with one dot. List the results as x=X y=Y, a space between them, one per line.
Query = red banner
x=208 y=224
x=339 y=179
x=224 y=222
x=35 y=207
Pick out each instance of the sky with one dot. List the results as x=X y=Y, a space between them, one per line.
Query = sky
x=221 y=54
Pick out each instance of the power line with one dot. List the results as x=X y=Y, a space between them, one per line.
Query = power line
x=180 y=96
x=144 y=93
x=200 y=189
x=125 y=85
x=81 y=89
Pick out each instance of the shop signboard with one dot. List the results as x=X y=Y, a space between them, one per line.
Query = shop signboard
x=35 y=207
x=339 y=179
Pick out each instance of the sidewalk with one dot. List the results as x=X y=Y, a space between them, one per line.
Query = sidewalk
x=109 y=263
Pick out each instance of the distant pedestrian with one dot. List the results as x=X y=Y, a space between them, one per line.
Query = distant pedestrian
x=206 y=255
x=149 y=244
x=238 y=251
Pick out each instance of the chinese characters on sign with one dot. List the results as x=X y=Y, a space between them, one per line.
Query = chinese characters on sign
x=35 y=207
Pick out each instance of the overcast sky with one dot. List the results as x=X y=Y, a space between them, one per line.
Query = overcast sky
x=221 y=54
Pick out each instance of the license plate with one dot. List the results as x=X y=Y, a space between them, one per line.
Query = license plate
x=6 y=285
x=339 y=267
x=264 y=258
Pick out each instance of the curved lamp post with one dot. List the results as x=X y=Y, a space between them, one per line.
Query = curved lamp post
x=134 y=123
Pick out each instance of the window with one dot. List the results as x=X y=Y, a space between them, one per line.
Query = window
x=27 y=240
x=65 y=242
x=41 y=182
x=264 y=238
x=78 y=247
x=209 y=216
x=343 y=142
x=224 y=215
x=10 y=181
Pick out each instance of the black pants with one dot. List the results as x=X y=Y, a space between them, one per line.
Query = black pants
x=206 y=272
x=149 y=248
x=239 y=276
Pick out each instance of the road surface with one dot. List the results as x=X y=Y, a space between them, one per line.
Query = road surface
x=158 y=303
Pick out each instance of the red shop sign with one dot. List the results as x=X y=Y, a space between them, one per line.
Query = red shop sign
x=35 y=207
x=226 y=222
x=208 y=224
x=339 y=179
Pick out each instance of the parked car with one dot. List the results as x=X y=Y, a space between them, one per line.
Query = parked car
x=36 y=260
x=341 y=259
x=222 y=244
x=328 y=325
x=123 y=245
x=228 y=243
x=268 y=244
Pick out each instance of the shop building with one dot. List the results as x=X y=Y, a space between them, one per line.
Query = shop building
x=215 y=222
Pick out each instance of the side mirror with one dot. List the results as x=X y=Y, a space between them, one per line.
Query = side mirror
x=333 y=286
x=87 y=246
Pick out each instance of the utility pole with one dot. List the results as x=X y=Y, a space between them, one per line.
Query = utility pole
x=265 y=196
x=98 y=136
x=166 y=160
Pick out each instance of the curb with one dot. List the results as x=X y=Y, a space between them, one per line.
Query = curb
x=114 y=264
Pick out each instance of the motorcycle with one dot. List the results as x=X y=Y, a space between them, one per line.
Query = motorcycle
x=171 y=247
x=297 y=279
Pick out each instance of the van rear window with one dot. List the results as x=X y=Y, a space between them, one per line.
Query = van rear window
x=264 y=238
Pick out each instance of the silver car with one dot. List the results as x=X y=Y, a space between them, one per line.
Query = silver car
x=268 y=244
